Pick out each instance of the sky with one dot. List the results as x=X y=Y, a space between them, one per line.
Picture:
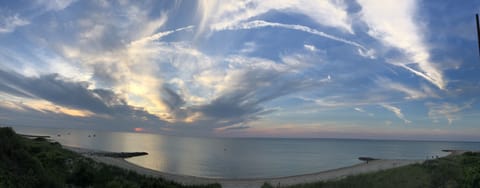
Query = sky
x=258 y=68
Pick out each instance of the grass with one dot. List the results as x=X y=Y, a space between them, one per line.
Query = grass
x=39 y=163
x=453 y=171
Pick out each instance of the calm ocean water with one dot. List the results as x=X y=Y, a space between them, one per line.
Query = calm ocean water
x=246 y=157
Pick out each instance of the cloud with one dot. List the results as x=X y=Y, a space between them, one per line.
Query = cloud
x=68 y=95
x=395 y=24
x=344 y=100
x=52 y=88
x=240 y=93
x=10 y=23
x=55 y=5
x=370 y=53
x=248 y=90
x=229 y=66
x=359 y=109
x=445 y=110
x=41 y=106
x=309 y=47
x=410 y=92
x=397 y=111
x=130 y=67
x=261 y=23
x=229 y=13
x=174 y=103
x=233 y=128
x=249 y=47
x=45 y=114
x=159 y=35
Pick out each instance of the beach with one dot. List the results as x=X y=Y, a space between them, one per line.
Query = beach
x=371 y=166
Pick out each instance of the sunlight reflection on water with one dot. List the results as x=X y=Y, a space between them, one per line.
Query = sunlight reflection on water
x=245 y=158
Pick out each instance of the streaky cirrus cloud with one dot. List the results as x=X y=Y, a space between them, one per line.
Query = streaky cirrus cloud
x=446 y=110
x=239 y=68
x=229 y=13
x=54 y=5
x=395 y=24
x=8 y=23
x=397 y=111
x=261 y=23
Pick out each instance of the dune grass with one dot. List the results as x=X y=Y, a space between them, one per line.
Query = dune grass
x=40 y=163
x=453 y=171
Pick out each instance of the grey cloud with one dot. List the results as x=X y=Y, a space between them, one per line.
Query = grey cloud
x=234 y=128
x=52 y=88
x=172 y=99
x=174 y=102
x=55 y=89
x=252 y=89
x=250 y=92
x=34 y=118
x=119 y=106
x=104 y=74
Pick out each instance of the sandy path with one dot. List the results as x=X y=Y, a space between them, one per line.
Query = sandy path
x=371 y=166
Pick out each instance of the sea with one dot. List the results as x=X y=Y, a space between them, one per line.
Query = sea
x=246 y=157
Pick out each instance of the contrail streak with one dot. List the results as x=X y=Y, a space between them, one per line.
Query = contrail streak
x=262 y=23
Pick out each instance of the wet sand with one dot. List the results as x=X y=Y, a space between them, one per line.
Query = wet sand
x=339 y=173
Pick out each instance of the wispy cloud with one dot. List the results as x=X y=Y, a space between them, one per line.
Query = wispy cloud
x=249 y=47
x=310 y=47
x=397 y=111
x=159 y=35
x=361 y=110
x=261 y=23
x=250 y=86
x=10 y=23
x=394 y=23
x=410 y=93
x=55 y=5
x=448 y=111
x=229 y=13
x=130 y=67
x=228 y=67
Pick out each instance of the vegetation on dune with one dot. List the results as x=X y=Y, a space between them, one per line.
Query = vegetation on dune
x=39 y=163
x=453 y=171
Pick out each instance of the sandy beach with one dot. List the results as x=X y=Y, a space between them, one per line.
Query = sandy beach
x=339 y=173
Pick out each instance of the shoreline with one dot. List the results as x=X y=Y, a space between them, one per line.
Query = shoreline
x=333 y=174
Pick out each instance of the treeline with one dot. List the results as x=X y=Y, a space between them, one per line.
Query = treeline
x=40 y=163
